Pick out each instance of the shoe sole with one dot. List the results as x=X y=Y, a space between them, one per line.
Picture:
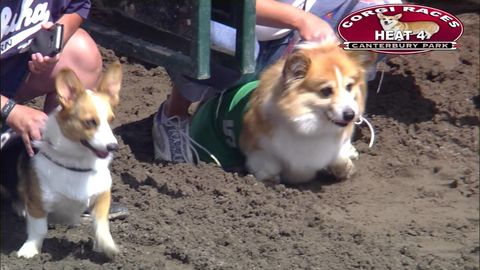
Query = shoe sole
x=112 y=216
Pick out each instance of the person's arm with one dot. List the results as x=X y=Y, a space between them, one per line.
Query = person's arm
x=71 y=23
x=278 y=14
x=40 y=64
x=3 y=101
x=281 y=15
x=26 y=121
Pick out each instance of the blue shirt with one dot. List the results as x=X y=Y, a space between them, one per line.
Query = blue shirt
x=21 y=19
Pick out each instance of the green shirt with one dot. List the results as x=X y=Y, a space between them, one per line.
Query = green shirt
x=219 y=132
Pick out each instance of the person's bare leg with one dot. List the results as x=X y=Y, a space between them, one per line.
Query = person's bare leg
x=177 y=105
x=80 y=54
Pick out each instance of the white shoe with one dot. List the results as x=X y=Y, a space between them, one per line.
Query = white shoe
x=170 y=138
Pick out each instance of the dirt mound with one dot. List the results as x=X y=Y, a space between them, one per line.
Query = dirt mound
x=412 y=205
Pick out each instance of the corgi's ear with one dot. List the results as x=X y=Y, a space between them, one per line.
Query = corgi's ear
x=296 y=67
x=68 y=87
x=112 y=82
x=398 y=16
x=380 y=15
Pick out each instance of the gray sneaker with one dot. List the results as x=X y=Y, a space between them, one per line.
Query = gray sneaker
x=170 y=138
x=117 y=211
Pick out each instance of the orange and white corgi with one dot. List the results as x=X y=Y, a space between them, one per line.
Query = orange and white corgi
x=392 y=23
x=301 y=116
x=70 y=172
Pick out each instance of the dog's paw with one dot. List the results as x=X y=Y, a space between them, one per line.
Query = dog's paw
x=28 y=250
x=103 y=239
x=349 y=151
x=272 y=181
x=266 y=176
x=343 y=170
x=352 y=152
x=262 y=166
x=105 y=244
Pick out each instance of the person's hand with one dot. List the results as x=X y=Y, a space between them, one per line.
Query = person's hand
x=42 y=64
x=28 y=123
x=313 y=28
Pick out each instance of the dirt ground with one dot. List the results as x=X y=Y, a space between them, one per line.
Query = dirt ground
x=414 y=203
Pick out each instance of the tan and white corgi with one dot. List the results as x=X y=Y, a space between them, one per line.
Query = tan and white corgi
x=392 y=23
x=70 y=172
x=301 y=116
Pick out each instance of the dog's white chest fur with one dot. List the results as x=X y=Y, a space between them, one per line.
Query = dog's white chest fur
x=295 y=157
x=304 y=152
x=66 y=193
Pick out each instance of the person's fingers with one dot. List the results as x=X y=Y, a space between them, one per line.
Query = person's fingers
x=28 y=146
x=334 y=38
x=40 y=59
x=326 y=36
x=47 y=25
x=52 y=61
x=32 y=68
x=40 y=63
x=42 y=125
x=35 y=68
x=35 y=134
x=44 y=118
x=47 y=64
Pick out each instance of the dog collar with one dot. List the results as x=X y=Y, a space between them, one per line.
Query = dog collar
x=66 y=167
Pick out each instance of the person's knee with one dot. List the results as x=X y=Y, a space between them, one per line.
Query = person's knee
x=82 y=55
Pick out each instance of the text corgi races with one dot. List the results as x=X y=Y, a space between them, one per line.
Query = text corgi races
x=434 y=13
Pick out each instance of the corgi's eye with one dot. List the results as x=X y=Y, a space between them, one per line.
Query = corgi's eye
x=349 y=87
x=326 y=91
x=90 y=123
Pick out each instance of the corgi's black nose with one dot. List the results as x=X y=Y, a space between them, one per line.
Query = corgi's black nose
x=348 y=115
x=112 y=147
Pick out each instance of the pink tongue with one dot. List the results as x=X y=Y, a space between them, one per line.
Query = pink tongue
x=101 y=154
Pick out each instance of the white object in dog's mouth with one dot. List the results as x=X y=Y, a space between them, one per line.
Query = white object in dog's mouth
x=98 y=153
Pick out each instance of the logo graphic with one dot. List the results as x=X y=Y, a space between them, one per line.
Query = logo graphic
x=400 y=29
